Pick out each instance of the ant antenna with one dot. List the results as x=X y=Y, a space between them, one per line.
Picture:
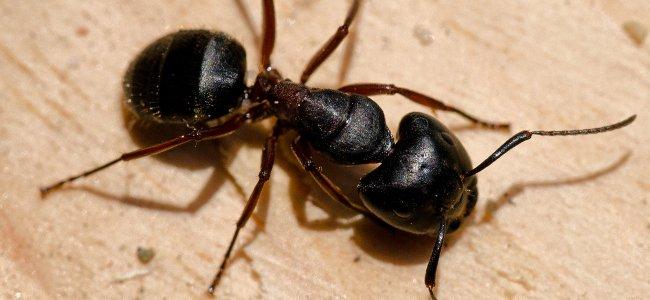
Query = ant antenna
x=526 y=135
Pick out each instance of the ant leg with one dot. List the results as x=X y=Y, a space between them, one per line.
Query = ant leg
x=371 y=89
x=430 y=275
x=302 y=150
x=268 y=158
x=331 y=44
x=268 y=18
x=197 y=135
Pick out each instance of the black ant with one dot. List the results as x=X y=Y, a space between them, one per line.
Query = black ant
x=425 y=183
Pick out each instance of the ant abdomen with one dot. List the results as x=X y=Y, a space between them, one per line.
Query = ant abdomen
x=189 y=77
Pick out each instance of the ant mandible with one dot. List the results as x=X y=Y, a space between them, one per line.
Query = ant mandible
x=425 y=183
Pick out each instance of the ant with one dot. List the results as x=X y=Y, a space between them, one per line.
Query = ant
x=424 y=184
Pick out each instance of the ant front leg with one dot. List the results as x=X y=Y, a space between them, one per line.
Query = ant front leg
x=331 y=45
x=268 y=159
x=303 y=152
x=197 y=135
x=372 y=89
x=432 y=266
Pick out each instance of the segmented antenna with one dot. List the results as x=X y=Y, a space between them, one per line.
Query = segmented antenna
x=526 y=135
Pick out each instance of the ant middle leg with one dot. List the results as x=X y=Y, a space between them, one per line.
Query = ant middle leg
x=268 y=159
x=372 y=89
x=229 y=126
x=326 y=50
x=303 y=152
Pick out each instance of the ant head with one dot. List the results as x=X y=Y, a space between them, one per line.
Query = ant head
x=421 y=183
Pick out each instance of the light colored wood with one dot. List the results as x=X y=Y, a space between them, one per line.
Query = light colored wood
x=578 y=225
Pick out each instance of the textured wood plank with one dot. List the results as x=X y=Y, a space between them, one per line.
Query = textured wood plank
x=557 y=218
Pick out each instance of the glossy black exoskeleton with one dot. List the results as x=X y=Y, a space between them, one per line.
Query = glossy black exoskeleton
x=422 y=177
x=425 y=183
x=190 y=76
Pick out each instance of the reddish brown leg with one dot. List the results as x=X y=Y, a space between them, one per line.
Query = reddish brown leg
x=268 y=158
x=331 y=44
x=371 y=89
x=269 y=34
x=302 y=150
x=215 y=132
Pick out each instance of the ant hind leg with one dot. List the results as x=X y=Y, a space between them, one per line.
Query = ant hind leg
x=371 y=89
x=268 y=159
x=197 y=135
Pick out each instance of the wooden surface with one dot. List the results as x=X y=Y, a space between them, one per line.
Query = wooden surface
x=557 y=218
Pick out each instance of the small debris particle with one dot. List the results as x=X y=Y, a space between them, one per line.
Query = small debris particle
x=145 y=255
x=423 y=35
x=82 y=31
x=131 y=275
x=357 y=259
x=490 y=208
x=636 y=31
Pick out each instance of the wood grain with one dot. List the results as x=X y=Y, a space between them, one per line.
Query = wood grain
x=557 y=218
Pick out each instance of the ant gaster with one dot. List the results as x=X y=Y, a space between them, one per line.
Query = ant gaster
x=425 y=183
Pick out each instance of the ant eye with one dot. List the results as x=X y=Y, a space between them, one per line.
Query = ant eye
x=447 y=138
x=453 y=226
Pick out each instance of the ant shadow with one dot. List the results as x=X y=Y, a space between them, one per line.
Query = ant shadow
x=190 y=157
x=506 y=198
x=215 y=154
x=378 y=240
x=389 y=244
x=250 y=25
x=516 y=189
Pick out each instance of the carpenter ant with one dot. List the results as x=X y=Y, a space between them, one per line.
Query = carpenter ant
x=425 y=183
